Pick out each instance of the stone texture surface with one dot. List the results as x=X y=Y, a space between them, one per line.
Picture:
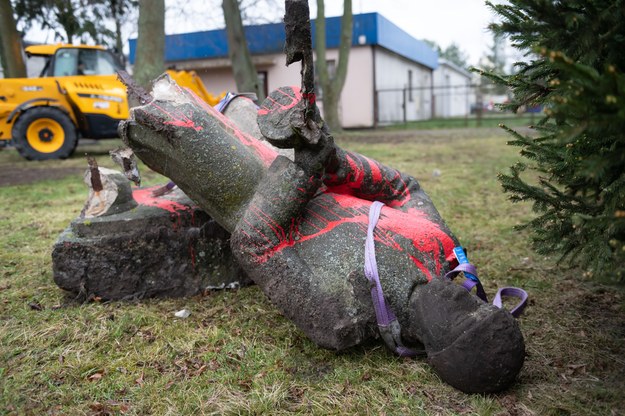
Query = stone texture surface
x=164 y=247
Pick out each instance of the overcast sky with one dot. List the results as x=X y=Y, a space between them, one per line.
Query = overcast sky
x=443 y=21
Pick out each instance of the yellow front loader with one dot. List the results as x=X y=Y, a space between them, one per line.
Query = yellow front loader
x=77 y=95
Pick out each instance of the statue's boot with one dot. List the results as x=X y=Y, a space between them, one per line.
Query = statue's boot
x=472 y=345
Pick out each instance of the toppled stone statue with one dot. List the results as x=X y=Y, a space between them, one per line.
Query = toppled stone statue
x=345 y=247
x=299 y=229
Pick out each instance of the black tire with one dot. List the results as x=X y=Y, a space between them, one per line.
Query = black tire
x=43 y=133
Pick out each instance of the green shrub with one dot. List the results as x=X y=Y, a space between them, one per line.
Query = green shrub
x=575 y=70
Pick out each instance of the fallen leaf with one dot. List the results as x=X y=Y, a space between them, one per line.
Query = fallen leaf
x=200 y=370
x=213 y=365
x=96 y=407
x=245 y=384
x=95 y=377
x=36 y=306
x=120 y=406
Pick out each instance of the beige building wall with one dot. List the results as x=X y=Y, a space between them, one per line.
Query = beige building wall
x=217 y=80
x=356 y=108
x=216 y=74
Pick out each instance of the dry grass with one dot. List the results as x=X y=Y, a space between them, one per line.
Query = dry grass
x=236 y=355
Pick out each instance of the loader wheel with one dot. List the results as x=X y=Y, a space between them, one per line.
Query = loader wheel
x=44 y=133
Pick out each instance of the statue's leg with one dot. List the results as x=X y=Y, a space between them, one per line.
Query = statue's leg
x=203 y=152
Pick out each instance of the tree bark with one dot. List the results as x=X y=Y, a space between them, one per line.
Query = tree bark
x=10 y=43
x=150 y=53
x=117 y=11
x=332 y=85
x=243 y=68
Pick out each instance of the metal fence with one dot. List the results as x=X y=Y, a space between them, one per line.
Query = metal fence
x=469 y=101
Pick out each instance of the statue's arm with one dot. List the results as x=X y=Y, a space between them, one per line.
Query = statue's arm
x=271 y=218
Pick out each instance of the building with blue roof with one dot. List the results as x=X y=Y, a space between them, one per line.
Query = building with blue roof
x=386 y=65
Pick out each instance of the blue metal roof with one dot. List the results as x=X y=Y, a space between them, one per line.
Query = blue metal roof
x=373 y=28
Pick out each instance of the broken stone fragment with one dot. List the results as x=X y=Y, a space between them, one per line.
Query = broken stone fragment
x=115 y=195
x=125 y=159
x=163 y=247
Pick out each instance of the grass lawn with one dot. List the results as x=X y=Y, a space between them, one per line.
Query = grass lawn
x=487 y=120
x=236 y=354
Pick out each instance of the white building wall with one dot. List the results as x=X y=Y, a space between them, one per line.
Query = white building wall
x=393 y=85
x=452 y=92
x=280 y=75
x=34 y=66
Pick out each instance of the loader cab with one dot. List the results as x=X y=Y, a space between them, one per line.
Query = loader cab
x=71 y=60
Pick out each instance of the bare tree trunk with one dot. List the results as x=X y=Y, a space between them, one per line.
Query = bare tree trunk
x=117 y=11
x=150 y=53
x=10 y=43
x=243 y=68
x=332 y=85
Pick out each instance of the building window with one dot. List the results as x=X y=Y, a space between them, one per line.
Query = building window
x=410 y=98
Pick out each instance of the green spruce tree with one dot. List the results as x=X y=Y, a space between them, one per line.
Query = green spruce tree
x=573 y=169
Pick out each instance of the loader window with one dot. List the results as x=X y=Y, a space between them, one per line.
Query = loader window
x=84 y=62
x=65 y=62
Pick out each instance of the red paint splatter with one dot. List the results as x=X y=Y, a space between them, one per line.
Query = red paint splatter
x=178 y=119
x=367 y=179
x=276 y=106
x=310 y=97
x=144 y=197
x=260 y=150
x=426 y=236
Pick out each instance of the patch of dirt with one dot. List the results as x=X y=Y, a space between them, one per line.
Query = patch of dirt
x=12 y=175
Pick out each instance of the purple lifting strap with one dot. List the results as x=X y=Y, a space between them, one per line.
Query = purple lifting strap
x=469 y=284
x=514 y=292
x=387 y=321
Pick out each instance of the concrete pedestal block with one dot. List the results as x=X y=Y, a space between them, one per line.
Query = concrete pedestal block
x=164 y=247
